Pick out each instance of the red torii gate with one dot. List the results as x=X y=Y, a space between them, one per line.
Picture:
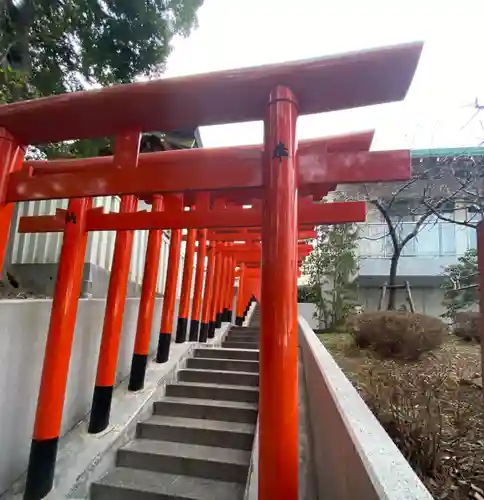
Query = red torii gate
x=175 y=218
x=239 y=237
x=326 y=84
x=250 y=255
x=248 y=262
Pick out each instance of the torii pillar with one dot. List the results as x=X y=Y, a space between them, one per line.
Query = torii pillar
x=278 y=407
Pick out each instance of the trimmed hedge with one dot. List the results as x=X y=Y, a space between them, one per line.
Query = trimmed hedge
x=397 y=334
x=467 y=326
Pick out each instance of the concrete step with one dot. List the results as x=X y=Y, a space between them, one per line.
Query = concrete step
x=244 y=332
x=215 y=376
x=187 y=459
x=220 y=392
x=240 y=345
x=235 y=435
x=131 y=484
x=228 y=411
x=232 y=365
x=227 y=354
x=238 y=337
x=243 y=329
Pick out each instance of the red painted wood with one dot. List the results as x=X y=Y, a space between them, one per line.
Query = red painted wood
x=324 y=213
x=325 y=84
x=208 y=170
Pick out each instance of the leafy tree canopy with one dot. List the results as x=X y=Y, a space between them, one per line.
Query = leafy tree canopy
x=66 y=45
x=56 y=46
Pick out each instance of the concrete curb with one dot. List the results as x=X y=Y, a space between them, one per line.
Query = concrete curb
x=252 y=486
x=249 y=314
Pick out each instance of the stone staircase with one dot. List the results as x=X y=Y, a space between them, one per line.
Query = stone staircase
x=240 y=337
x=197 y=444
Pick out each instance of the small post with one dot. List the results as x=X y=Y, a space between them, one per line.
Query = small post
x=230 y=290
x=216 y=294
x=172 y=203
x=382 y=296
x=50 y=403
x=126 y=154
x=147 y=303
x=202 y=203
x=239 y=320
x=225 y=289
x=197 y=291
x=208 y=295
x=181 y=330
x=410 y=301
x=219 y=317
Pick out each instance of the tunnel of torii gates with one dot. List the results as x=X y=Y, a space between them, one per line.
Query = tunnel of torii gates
x=283 y=180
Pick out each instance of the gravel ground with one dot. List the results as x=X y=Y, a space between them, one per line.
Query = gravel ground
x=11 y=289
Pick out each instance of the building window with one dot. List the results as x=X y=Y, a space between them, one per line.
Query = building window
x=472 y=237
x=447 y=239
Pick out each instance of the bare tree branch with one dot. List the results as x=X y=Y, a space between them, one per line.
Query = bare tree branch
x=391 y=228
x=446 y=219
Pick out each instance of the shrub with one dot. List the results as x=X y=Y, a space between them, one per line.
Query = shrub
x=357 y=325
x=467 y=326
x=425 y=413
x=397 y=334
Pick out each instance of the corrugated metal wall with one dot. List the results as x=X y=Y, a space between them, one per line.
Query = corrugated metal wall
x=45 y=248
x=36 y=248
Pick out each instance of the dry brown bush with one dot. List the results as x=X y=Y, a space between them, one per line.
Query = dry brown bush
x=467 y=326
x=432 y=408
x=427 y=416
x=356 y=325
x=397 y=334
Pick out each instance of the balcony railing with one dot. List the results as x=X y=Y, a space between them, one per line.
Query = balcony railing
x=435 y=239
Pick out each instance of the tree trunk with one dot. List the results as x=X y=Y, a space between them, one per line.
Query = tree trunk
x=392 y=280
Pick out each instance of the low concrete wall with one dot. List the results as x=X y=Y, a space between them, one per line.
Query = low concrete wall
x=354 y=457
x=23 y=333
x=427 y=300
x=307 y=311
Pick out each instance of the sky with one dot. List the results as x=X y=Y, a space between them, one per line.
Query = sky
x=439 y=108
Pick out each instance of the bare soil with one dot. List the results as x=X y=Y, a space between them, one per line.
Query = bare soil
x=7 y=291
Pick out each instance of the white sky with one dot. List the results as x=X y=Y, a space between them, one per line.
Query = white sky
x=237 y=33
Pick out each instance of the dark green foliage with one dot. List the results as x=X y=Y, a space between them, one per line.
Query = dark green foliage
x=460 y=276
x=331 y=269
x=396 y=334
x=52 y=47
x=62 y=46
x=305 y=294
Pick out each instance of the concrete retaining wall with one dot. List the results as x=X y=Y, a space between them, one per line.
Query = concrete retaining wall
x=353 y=455
x=23 y=333
x=307 y=311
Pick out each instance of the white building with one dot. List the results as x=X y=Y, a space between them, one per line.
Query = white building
x=423 y=259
